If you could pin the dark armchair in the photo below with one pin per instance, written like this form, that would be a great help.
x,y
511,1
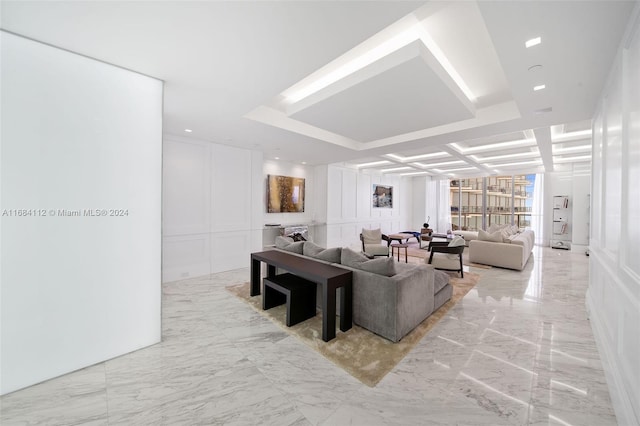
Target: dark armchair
x,y
445,257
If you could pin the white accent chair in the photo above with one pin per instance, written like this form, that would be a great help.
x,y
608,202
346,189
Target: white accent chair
x,y
371,243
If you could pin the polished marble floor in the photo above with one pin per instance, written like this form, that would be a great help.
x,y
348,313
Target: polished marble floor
x,y
517,350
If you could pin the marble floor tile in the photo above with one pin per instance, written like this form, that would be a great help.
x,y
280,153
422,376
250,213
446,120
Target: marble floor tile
x,y
517,350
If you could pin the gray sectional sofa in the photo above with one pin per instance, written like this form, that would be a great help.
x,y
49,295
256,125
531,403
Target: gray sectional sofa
x,y
389,298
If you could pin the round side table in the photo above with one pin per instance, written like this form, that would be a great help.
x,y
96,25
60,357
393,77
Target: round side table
x,y
399,246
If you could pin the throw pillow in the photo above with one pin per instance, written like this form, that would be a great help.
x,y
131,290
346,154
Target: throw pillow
x,y
329,255
311,248
287,244
282,242
371,236
495,227
456,241
495,237
381,266
332,255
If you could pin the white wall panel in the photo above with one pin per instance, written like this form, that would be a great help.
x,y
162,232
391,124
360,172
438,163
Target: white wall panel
x,y
185,256
77,135
257,201
186,191
210,195
632,157
363,195
613,297
597,180
321,195
230,250
334,201
230,189
613,162
349,195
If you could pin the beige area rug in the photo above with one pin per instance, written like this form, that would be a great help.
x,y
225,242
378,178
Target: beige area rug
x,y
361,353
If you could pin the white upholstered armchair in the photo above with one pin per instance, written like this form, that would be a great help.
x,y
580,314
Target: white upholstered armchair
x,y
371,242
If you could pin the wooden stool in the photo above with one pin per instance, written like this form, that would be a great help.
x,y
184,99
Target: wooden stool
x,y
399,246
299,295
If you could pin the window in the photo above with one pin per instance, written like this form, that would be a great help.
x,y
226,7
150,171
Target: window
x,y
478,203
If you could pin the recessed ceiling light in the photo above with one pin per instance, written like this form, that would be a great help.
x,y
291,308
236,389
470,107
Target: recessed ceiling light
x,y
559,137
533,153
396,169
277,158
533,42
539,87
417,157
571,149
542,110
518,163
455,170
373,163
493,146
571,159
188,130
442,163
414,173
304,162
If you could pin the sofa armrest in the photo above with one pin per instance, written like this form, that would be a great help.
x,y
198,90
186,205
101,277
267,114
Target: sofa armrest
x,y
504,255
415,298
392,306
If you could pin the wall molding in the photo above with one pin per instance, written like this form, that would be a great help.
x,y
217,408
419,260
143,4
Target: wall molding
x,y
620,399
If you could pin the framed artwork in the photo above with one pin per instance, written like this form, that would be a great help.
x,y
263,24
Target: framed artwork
x,y
285,194
382,196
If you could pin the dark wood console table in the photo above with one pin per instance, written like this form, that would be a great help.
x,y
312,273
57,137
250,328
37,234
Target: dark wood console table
x,y
329,276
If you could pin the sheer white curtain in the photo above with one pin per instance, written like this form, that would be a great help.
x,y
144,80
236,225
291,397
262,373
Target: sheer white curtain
x,y
443,222
537,208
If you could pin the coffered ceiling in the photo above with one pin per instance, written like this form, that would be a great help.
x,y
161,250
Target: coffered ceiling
x,y
436,88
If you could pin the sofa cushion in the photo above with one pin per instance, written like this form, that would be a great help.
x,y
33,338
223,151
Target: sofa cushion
x,y
313,250
495,237
495,227
381,266
286,243
506,234
282,242
456,241
371,236
376,250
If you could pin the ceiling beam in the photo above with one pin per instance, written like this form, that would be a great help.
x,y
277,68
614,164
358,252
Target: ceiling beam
x,y
543,139
466,159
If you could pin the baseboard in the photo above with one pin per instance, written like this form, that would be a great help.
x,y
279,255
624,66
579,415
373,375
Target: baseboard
x,y
622,405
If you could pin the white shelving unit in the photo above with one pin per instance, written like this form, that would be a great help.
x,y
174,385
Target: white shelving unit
x,y
561,228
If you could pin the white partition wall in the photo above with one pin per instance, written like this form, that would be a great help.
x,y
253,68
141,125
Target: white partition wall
x,y
80,228
613,297
212,207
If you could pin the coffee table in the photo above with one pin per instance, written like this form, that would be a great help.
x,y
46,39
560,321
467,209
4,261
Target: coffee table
x,y
402,236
